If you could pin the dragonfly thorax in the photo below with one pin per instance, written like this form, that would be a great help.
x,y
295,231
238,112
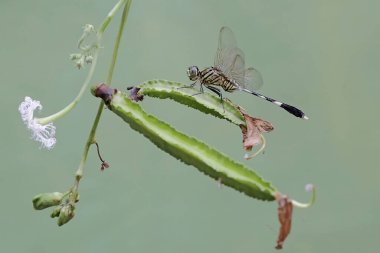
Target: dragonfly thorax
x,y
193,73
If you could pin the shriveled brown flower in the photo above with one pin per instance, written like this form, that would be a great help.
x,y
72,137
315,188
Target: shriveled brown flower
x,y
134,94
253,129
285,210
104,92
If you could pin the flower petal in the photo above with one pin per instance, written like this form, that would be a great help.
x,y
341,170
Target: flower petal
x,y
45,134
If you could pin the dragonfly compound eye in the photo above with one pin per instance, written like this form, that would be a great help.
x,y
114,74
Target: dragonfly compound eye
x,y
192,73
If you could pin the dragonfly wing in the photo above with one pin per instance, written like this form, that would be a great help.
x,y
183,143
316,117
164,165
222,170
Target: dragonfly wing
x,y
252,79
230,60
237,72
227,50
226,38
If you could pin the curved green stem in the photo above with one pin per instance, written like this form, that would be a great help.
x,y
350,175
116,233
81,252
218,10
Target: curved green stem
x,y
261,150
69,107
310,203
110,16
91,137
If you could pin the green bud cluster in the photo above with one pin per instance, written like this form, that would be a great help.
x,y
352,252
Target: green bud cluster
x,y
66,214
87,50
81,59
64,208
45,200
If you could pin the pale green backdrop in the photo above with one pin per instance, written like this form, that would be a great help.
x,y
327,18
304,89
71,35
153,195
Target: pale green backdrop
x,y
322,56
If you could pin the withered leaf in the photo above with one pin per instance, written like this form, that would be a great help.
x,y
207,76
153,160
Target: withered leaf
x,y
285,210
253,129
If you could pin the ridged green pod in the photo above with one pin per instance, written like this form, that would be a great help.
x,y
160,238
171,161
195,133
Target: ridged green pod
x,y
205,102
187,149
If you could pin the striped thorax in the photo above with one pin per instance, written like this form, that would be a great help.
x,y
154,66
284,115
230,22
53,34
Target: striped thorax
x,y
212,76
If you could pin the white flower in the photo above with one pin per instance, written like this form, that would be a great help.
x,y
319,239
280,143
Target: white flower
x,y
40,133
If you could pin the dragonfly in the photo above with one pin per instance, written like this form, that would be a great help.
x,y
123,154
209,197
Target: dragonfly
x,y
229,73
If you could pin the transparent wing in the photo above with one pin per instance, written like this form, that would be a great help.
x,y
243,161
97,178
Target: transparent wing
x,y
227,50
237,72
230,60
252,79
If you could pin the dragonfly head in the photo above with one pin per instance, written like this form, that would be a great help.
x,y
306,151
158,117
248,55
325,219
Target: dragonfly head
x,y
192,73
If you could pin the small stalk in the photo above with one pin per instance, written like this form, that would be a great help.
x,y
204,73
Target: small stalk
x,y
91,137
308,188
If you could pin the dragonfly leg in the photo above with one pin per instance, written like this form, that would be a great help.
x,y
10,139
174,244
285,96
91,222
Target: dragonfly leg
x,y
188,86
200,91
191,86
218,92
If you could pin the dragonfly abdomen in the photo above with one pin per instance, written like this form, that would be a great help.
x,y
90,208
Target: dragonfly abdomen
x,y
213,76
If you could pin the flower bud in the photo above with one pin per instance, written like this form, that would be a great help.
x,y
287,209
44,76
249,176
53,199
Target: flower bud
x,y
45,200
56,212
80,62
66,214
74,57
88,59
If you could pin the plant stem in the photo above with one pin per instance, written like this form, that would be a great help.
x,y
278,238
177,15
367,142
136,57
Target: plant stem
x,y
91,137
310,203
69,107
261,150
117,43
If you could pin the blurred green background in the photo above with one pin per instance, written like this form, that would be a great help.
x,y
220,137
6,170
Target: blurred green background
x,y
322,56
